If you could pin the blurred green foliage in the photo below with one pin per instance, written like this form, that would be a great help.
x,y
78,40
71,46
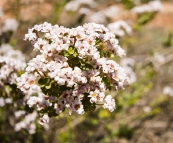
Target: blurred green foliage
x,y
168,40
58,8
128,4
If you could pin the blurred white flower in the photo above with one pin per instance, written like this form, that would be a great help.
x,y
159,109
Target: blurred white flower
x,y
84,10
147,109
10,25
27,123
152,6
168,91
97,17
100,16
128,64
16,54
8,100
2,102
111,11
11,63
120,28
19,113
32,128
159,58
74,5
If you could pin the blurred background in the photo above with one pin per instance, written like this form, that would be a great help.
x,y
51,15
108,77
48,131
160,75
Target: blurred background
x,y
144,109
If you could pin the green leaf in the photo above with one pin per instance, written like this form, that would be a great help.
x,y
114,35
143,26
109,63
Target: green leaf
x,y
75,54
92,107
168,40
144,18
98,41
48,86
88,66
43,81
106,82
66,54
71,50
73,61
128,4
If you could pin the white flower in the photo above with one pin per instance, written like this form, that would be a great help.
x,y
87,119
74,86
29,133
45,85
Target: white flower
x,y
77,107
31,36
59,106
109,103
44,119
96,96
33,100
27,82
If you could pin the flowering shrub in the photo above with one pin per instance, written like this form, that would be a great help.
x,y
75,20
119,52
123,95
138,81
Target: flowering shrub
x,y
73,70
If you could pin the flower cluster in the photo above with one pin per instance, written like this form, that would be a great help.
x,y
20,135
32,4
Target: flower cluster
x,y
153,6
11,64
73,70
27,123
